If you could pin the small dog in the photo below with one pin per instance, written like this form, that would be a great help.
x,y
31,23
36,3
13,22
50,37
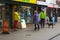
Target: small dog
x,y
50,24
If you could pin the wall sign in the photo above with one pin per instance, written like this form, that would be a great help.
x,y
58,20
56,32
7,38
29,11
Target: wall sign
x,y
27,1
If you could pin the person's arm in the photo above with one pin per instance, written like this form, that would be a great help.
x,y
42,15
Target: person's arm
x,y
40,14
45,14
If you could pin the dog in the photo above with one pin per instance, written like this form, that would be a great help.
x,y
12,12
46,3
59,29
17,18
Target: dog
x,y
50,24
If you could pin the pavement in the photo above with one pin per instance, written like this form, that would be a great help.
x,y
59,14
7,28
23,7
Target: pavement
x,y
29,33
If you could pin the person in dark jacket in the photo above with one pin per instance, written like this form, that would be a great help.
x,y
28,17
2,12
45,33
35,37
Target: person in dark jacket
x,y
36,20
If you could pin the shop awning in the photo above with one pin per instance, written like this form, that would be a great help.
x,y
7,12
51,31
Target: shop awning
x,y
53,6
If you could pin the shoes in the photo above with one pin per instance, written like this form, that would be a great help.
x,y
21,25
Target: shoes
x,y
36,29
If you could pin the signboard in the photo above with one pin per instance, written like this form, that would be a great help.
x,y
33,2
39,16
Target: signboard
x,y
23,23
5,26
27,1
42,3
22,0
33,1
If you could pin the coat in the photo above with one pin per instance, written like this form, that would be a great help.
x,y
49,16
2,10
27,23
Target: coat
x,y
16,16
42,15
36,18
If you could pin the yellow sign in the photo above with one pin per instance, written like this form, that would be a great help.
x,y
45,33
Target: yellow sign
x,y
33,1
27,1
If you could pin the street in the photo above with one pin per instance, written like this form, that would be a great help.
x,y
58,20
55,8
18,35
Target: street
x,y
29,34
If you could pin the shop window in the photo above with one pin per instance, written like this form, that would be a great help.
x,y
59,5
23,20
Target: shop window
x,y
27,13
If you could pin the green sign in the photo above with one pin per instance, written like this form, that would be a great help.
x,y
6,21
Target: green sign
x,y
22,0
27,1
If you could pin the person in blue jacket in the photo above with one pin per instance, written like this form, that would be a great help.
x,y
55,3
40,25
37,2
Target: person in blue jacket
x,y
53,20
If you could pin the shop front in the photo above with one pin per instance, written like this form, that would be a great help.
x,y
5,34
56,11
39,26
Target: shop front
x,y
26,9
5,14
1,14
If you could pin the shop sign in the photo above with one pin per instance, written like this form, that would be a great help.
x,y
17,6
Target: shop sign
x,y
27,1
33,1
42,3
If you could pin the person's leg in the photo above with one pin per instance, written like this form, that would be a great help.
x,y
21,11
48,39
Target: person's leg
x,y
48,25
35,27
41,22
52,25
55,20
38,26
15,25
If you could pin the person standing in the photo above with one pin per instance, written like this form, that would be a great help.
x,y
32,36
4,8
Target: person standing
x,y
16,18
19,11
36,20
53,20
42,17
47,19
